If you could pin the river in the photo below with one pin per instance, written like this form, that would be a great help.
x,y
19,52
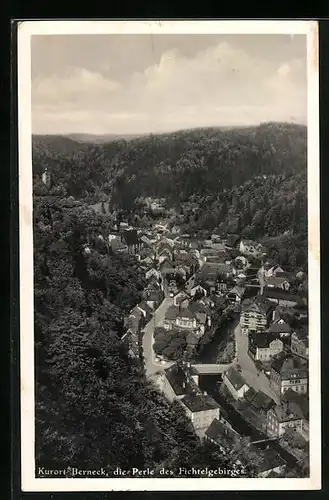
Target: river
x,y
210,351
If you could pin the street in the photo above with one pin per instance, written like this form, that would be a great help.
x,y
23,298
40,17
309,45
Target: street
x,y
151,366
248,369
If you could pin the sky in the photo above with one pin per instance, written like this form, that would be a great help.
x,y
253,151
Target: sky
x,y
131,84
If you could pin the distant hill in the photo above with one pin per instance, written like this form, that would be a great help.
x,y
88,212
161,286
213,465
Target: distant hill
x,y
250,180
101,139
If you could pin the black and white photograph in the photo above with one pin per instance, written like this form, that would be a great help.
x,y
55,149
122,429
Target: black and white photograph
x,y
169,255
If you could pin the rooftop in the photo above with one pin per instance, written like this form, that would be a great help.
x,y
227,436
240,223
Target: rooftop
x,y
262,340
217,431
235,378
199,402
288,363
177,379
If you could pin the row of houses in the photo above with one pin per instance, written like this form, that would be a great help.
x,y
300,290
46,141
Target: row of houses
x,y
261,411
181,383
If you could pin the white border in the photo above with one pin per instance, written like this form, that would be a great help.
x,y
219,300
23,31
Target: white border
x,y
25,30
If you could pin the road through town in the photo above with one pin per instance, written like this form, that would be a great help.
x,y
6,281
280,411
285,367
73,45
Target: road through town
x,y
255,379
151,366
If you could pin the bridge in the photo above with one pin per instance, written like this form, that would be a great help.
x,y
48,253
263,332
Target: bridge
x,y
211,369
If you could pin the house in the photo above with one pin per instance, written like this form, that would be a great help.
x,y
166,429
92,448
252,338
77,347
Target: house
x,y
180,297
201,409
236,294
281,297
271,270
184,318
175,383
258,401
270,462
198,290
224,284
145,241
235,383
133,321
145,310
167,267
299,343
222,436
288,371
254,315
277,282
251,248
281,331
282,315
152,272
164,251
291,413
154,299
263,346
131,341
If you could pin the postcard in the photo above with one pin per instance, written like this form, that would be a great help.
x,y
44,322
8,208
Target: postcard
x,y
169,255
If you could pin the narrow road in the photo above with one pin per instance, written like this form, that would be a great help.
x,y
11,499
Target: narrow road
x,y
151,366
255,379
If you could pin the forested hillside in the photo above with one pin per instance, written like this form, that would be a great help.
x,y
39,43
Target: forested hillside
x,y
250,180
93,406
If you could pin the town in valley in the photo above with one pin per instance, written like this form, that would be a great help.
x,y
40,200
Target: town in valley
x,y
221,329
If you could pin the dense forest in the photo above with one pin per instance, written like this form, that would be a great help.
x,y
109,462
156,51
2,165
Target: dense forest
x,y
94,407
250,181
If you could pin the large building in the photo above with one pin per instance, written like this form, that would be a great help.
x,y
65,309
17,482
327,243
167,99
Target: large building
x,y
263,346
201,409
299,343
292,413
254,315
289,372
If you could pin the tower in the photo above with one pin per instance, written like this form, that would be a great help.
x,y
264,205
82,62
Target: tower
x,y
261,277
46,178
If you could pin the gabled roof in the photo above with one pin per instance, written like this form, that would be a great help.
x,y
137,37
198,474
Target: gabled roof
x,y
278,328
218,431
256,305
262,340
288,363
259,400
237,290
291,396
235,378
275,281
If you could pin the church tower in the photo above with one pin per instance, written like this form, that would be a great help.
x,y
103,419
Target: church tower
x,y
46,178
